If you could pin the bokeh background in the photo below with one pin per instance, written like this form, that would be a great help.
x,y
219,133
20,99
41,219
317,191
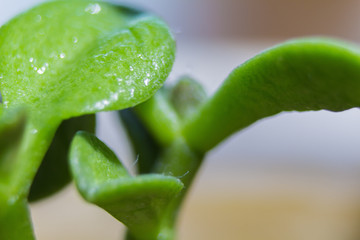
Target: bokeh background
x,y
293,176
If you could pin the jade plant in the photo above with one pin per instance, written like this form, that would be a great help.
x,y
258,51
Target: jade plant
x,y
63,61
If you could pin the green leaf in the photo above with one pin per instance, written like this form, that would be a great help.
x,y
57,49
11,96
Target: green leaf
x,y
67,60
63,60
139,202
301,75
54,172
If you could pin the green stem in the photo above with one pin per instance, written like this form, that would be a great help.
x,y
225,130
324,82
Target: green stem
x,y
176,159
160,119
35,142
180,161
15,222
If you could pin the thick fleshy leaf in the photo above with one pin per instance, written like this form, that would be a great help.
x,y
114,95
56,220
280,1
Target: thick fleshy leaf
x,y
138,202
62,60
301,75
54,172
67,59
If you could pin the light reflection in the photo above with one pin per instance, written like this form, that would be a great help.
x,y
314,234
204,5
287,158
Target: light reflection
x,y
147,81
41,70
93,8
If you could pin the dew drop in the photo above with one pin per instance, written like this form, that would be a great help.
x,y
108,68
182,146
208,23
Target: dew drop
x,y
114,96
75,39
146,81
131,68
129,82
31,60
156,66
41,70
62,55
93,8
132,92
119,80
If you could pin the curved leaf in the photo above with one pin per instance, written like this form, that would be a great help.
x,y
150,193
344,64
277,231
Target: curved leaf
x,y
63,60
301,75
72,59
138,202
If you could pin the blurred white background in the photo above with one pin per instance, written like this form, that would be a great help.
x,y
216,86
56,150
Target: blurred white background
x,y
293,176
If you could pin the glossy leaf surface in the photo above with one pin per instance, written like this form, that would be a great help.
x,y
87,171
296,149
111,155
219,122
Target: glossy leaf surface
x,y
64,59
83,57
138,202
301,75
98,57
